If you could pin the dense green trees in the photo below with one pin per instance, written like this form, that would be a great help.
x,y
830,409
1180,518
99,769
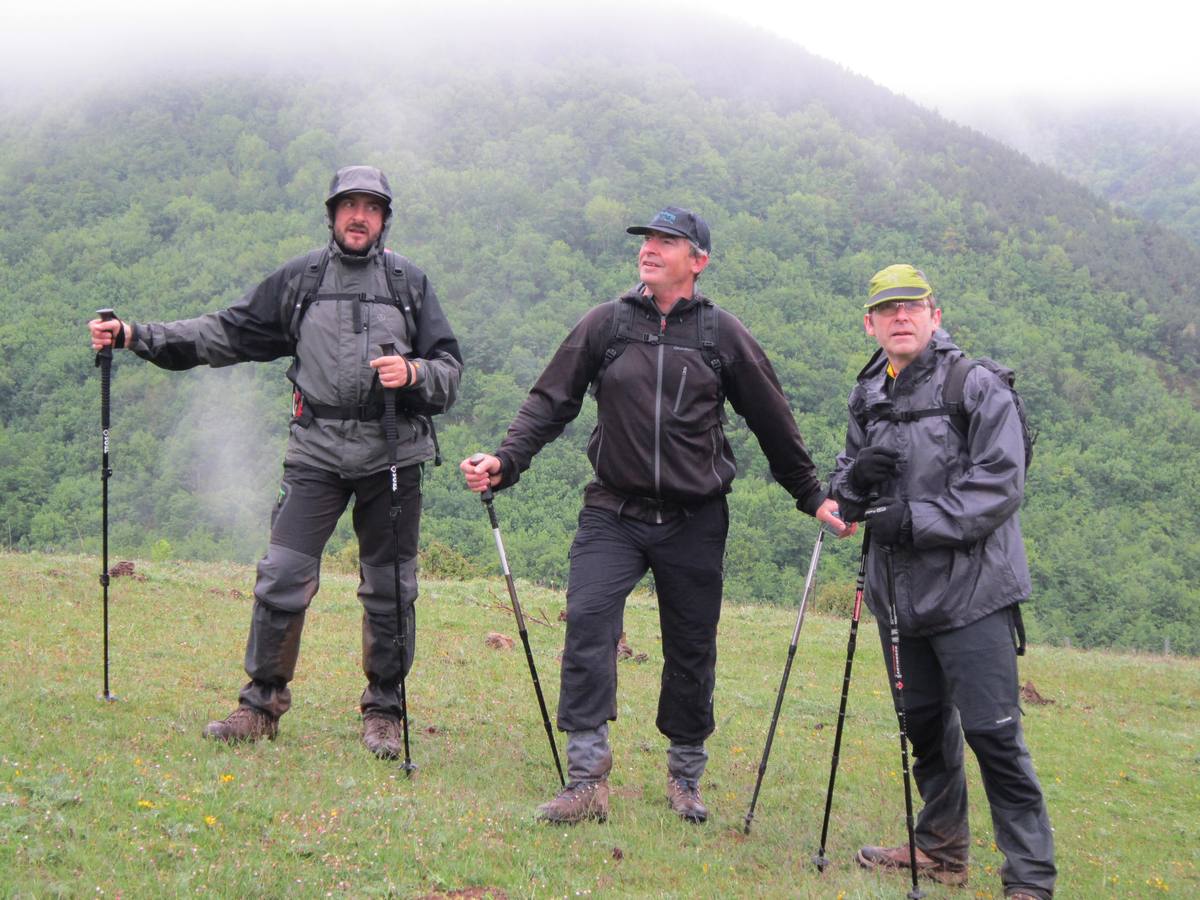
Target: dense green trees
x,y
1144,157
513,188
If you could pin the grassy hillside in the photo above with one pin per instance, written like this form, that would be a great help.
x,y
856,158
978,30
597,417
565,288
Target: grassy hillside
x,y
124,799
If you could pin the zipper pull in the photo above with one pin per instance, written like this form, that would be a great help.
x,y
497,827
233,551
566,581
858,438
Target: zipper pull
x,y
662,325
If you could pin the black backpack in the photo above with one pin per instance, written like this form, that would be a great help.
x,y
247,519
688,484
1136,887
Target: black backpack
x,y
623,332
953,406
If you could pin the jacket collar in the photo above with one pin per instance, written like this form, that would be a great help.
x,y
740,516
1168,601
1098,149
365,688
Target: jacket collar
x,y
939,344
353,259
640,297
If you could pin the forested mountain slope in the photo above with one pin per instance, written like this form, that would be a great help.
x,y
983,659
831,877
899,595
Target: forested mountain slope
x,y
514,182
1145,158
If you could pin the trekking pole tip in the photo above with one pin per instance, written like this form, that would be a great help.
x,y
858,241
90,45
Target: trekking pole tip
x,y
820,860
409,767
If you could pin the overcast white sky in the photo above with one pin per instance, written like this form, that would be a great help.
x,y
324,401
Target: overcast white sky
x,y
940,53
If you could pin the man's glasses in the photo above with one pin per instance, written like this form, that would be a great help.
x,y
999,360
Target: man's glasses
x,y
891,307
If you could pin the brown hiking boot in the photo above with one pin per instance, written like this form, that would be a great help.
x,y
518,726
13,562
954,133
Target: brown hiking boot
x,y
381,735
683,795
896,859
577,802
243,724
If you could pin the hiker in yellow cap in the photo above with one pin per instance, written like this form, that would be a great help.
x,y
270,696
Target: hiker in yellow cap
x,y
935,458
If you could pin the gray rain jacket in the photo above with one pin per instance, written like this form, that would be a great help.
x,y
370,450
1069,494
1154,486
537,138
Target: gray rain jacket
x,y
967,558
337,340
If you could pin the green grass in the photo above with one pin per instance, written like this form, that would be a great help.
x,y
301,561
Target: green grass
x,y
125,799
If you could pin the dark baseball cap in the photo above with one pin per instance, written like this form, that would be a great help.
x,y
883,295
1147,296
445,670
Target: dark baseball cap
x,y
683,222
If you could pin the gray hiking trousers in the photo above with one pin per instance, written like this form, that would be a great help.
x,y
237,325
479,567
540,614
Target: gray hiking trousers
x,y
964,682
310,503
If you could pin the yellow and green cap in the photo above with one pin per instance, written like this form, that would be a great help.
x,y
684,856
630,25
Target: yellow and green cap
x,y
898,282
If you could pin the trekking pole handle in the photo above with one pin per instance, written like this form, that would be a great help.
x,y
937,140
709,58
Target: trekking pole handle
x,y
391,429
486,495
106,315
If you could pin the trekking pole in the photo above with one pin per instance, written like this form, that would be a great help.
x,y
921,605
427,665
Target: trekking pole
x,y
916,893
392,432
820,859
787,670
487,496
104,361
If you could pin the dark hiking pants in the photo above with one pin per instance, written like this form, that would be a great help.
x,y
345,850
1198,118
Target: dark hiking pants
x,y
609,555
964,682
310,503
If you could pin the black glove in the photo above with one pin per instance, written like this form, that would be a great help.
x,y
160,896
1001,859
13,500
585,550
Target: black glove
x,y
873,466
889,521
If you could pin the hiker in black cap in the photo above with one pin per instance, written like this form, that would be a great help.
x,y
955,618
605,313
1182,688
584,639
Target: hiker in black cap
x,y
938,474
333,310
661,359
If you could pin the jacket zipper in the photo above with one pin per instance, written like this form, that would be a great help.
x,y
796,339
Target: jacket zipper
x,y
365,330
662,330
679,393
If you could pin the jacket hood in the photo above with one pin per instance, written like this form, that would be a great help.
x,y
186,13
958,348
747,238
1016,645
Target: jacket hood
x,y
361,180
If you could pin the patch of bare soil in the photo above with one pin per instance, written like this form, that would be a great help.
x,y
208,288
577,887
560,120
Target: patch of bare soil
x,y
124,569
498,641
1030,694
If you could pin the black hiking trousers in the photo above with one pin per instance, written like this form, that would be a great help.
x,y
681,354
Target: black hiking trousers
x,y
964,682
311,501
609,555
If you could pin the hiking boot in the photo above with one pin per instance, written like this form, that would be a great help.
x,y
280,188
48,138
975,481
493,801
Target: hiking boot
x,y
895,859
243,724
577,802
683,795
381,734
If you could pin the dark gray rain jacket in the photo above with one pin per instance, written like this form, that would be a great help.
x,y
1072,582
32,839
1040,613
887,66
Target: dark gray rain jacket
x,y
337,340
967,558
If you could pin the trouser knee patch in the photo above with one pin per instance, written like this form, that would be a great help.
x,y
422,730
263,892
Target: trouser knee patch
x,y
287,579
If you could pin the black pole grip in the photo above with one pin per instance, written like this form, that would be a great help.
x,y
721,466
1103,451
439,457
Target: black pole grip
x,y
391,428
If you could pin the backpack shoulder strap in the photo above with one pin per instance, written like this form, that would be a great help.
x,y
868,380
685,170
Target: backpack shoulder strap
x,y
619,336
310,279
709,331
952,390
400,286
